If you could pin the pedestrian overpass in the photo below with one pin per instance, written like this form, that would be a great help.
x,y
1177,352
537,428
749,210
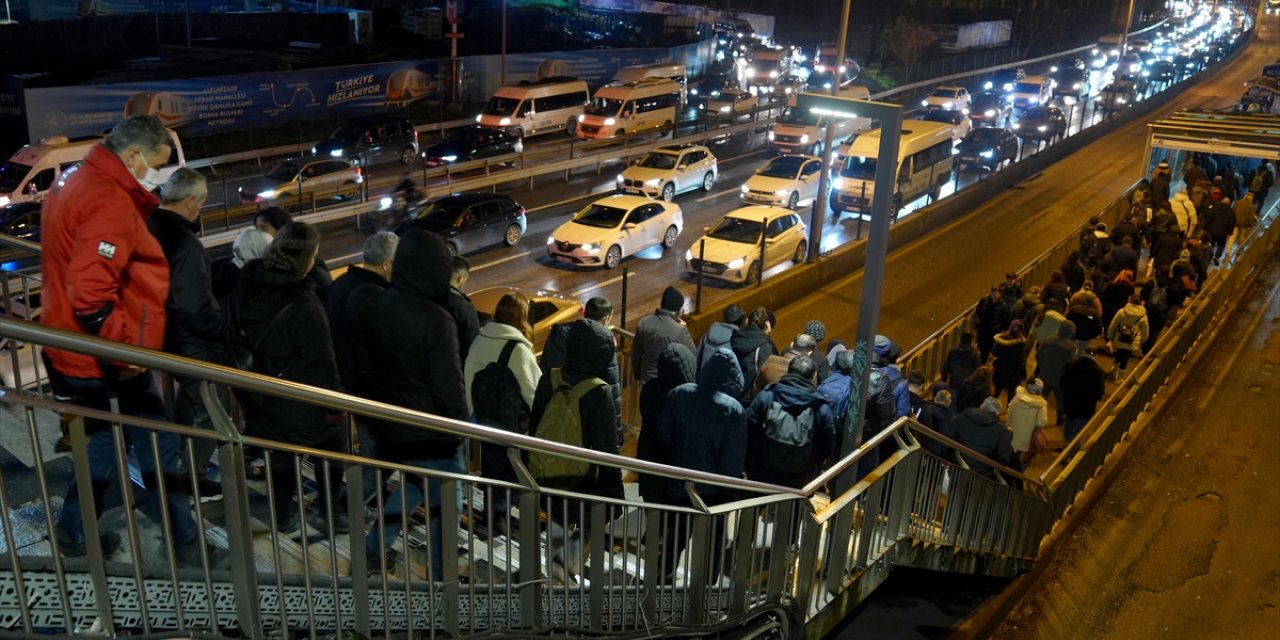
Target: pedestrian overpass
x,y
794,560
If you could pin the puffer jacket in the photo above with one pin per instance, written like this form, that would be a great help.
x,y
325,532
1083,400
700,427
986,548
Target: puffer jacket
x,y
1184,212
652,334
196,326
588,352
1010,366
296,347
794,394
412,346
984,434
97,252
1026,412
703,427
1134,315
488,347
676,366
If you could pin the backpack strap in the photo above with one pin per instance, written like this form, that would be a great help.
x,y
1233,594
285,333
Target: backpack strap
x,y
504,358
584,387
557,379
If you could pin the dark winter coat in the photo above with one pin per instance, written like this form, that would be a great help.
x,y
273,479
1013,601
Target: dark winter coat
x,y
412,344
553,356
1126,229
984,434
752,346
321,280
196,326
676,366
1010,366
1074,273
1164,250
652,334
1083,386
1055,290
882,407
464,314
795,394
296,347
960,364
1125,257
343,308
992,316
703,427
588,351
1052,357
971,394
1220,220
718,336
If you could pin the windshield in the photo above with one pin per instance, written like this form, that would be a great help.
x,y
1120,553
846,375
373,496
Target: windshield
x,y
794,116
944,93
1035,114
603,216
604,107
349,133
463,137
441,211
736,230
657,161
783,167
984,135
859,167
1027,87
500,106
939,116
285,171
11,173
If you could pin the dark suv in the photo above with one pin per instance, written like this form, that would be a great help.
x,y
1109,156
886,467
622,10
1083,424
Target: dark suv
x,y
470,221
371,141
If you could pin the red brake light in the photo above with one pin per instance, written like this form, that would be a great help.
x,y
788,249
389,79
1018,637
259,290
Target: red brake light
x,y
415,135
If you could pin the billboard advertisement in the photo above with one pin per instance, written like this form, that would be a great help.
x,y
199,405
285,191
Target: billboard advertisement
x,y
69,9
202,106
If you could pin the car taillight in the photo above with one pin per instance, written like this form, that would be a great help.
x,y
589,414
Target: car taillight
x,y
358,172
415,135
520,214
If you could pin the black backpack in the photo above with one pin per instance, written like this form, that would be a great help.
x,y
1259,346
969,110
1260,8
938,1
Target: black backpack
x,y
496,396
787,445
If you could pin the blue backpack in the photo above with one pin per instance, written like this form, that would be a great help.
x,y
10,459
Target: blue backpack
x,y
836,389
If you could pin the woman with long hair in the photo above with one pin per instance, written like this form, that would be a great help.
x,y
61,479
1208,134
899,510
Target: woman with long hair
x,y
976,388
509,333
1010,366
283,319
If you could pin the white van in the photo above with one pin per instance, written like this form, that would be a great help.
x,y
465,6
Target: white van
x,y
1031,91
33,169
803,133
619,108
674,72
923,166
535,108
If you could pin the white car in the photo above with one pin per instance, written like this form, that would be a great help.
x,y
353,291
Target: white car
x,y
731,101
611,228
948,97
732,247
669,170
785,181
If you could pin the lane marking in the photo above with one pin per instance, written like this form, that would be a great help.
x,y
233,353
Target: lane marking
x,y
500,261
569,200
598,285
718,194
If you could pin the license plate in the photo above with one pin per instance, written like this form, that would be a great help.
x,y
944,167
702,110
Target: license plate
x,y
564,259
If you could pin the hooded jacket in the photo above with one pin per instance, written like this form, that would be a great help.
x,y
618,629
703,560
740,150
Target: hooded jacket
x,y
652,334
676,366
1134,315
1026,412
1010,366
296,347
719,336
553,356
794,394
1052,357
983,433
1083,386
196,326
704,428
1184,212
1220,219
752,347
464,314
588,352
488,347
961,362
412,345
99,255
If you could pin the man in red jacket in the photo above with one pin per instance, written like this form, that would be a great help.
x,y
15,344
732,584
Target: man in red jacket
x,y
106,276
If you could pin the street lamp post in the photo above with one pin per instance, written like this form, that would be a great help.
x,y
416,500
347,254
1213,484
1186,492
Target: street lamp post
x,y
502,75
824,178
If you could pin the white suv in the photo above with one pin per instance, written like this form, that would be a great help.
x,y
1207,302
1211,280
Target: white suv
x,y
666,171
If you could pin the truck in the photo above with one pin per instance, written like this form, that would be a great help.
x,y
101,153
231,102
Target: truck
x,y
803,132
768,64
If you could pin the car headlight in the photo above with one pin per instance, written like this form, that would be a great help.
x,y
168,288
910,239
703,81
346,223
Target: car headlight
x,y
804,138
787,90
653,182
385,203
4,201
1053,69
478,117
620,178
591,247
336,153
1042,128
751,71
1009,98
1017,125
1120,100
448,158
1034,100
267,195
736,263
504,122
693,91
1076,86
724,109
837,183
745,189
924,103
688,256
770,136
990,113
948,105
987,154
782,193
609,122
773,74
551,239
313,149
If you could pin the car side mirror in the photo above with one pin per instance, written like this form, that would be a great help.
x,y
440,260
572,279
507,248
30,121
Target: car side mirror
x,y
629,226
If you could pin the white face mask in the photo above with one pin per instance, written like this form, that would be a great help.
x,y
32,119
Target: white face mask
x,y
151,180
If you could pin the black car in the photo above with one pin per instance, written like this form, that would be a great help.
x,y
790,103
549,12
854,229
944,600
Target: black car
x,y
1072,82
1069,62
473,143
371,141
990,109
470,221
1042,123
1004,79
21,220
1162,71
987,148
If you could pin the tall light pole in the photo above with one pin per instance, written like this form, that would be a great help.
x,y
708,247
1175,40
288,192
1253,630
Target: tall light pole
x,y
502,76
1124,33
817,222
